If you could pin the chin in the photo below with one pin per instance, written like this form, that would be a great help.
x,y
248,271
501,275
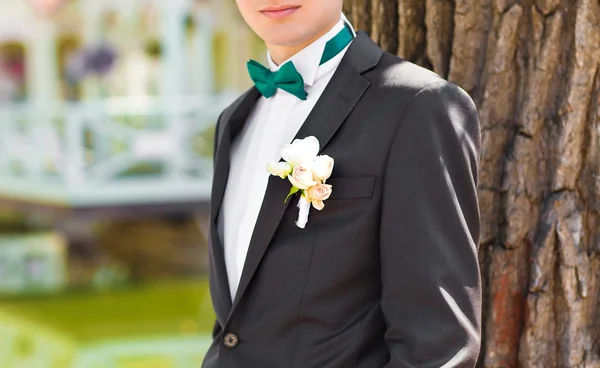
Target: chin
x,y
284,37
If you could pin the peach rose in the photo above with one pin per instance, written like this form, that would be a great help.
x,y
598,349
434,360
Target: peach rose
x,y
317,194
302,177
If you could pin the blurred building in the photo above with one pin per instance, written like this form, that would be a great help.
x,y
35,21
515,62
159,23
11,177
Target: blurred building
x,y
112,102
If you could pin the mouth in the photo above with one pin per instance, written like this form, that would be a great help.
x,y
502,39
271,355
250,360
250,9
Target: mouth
x,y
280,12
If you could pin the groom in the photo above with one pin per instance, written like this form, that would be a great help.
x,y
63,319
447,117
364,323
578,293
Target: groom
x,y
386,274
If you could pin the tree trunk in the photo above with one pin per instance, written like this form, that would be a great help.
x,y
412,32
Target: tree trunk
x,y
533,69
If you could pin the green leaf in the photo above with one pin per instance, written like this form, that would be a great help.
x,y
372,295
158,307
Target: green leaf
x,y
293,191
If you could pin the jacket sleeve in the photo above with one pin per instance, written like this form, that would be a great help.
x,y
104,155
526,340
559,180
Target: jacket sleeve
x,y
431,287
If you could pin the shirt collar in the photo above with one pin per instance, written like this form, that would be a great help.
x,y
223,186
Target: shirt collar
x,y
307,60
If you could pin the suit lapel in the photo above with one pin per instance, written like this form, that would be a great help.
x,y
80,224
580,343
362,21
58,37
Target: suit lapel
x,y
232,123
335,104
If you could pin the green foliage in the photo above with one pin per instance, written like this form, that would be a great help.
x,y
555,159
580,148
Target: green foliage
x,y
162,308
293,191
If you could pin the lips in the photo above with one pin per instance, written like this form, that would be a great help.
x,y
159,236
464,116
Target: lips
x,y
280,13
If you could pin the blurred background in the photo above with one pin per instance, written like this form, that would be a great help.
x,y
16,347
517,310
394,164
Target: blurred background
x,y
107,111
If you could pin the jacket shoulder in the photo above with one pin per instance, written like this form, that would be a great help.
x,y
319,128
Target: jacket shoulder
x,y
398,76
393,72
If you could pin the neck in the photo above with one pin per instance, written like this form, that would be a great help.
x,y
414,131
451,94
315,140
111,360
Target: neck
x,y
281,53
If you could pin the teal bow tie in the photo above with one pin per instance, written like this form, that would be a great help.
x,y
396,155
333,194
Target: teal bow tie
x,y
287,77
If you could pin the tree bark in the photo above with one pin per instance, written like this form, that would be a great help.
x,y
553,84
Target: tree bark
x,y
533,69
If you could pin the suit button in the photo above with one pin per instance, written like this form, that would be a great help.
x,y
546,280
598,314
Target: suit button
x,y
230,340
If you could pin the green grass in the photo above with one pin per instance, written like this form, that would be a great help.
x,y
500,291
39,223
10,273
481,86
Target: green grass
x,y
163,308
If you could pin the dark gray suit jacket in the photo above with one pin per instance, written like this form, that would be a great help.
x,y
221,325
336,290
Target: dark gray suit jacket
x,y
387,274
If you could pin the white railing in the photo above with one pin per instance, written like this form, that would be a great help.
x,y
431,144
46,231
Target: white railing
x,y
116,151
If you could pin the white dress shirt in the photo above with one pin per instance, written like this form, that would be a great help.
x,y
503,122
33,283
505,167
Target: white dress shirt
x,y
273,123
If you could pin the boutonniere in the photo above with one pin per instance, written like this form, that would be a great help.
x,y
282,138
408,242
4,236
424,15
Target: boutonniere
x,y
307,172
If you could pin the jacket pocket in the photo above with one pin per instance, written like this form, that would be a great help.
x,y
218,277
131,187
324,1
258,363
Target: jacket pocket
x,y
352,187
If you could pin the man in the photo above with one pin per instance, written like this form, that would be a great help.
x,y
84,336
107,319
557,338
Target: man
x,y
386,274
